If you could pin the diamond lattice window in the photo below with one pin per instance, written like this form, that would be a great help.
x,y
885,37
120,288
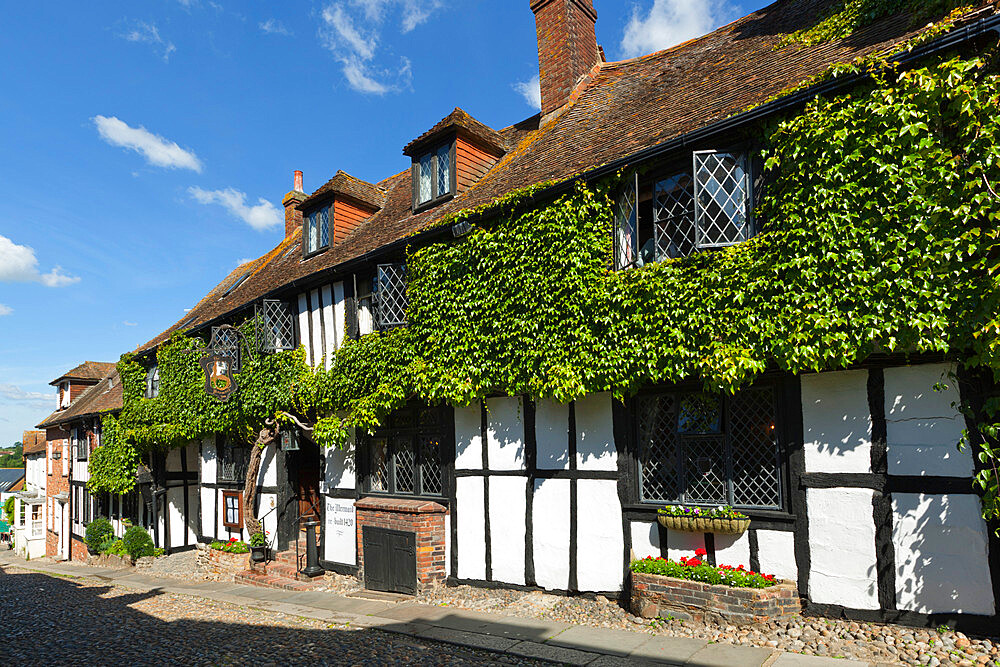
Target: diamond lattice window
x,y
275,326
707,449
390,296
226,340
232,462
404,458
673,216
627,224
722,196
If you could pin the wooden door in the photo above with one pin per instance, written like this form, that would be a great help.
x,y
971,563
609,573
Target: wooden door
x,y
308,491
390,560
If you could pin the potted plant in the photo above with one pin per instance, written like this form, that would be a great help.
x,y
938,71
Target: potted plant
x,y
723,519
258,547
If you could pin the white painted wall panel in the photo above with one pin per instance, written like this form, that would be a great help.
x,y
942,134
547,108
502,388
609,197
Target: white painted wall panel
x,y
191,520
595,436
836,422
317,330
175,515
471,511
507,513
776,553
339,318
599,535
266,503
468,438
329,340
340,532
505,433
842,547
552,434
922,427
550,528
268,475
340,470
733,550
209,461
304,326
645,539
681,543
173,460
941,545
207,511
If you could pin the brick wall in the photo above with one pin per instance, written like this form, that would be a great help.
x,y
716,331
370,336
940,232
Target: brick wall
x,y
422,517
655,595
221,565
567,47
293,216
55,484
78,550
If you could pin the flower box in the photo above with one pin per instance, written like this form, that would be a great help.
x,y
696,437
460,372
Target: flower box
x,y
691,524
656,595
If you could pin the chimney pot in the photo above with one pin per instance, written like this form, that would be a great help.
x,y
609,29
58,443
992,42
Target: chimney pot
x,y
298,181
567,47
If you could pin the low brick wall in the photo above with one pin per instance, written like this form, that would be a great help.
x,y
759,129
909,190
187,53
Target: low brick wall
x,y
655,595
223,566
424,518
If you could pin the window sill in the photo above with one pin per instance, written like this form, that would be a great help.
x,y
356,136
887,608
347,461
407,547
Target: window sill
x,y
314,253
427,205
769,515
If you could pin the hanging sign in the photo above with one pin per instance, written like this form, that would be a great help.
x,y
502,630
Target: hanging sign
x,y
219,380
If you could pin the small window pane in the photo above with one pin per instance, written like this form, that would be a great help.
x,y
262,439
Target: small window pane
x,y
312,239
673,216
699,413
626,225
722,198
324,228
443,170
380,465
430,466
405,464
426,175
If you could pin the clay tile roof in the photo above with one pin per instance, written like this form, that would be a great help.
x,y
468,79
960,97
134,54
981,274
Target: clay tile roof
x,y
105,396
463,122
622,109
88,370
345,184
33,442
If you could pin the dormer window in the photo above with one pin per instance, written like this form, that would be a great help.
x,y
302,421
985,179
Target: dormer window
x,y
153,382
433,175
64,395
317,230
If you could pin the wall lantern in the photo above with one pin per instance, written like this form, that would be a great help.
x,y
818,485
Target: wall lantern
x,y
460,229
290,440
56,455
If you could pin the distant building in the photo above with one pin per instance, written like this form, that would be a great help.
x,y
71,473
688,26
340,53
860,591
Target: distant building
x,y
29,506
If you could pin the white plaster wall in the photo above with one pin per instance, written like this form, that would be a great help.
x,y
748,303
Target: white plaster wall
x,y
469,499
340,470
173,459
733,550
329,339
922,427
304,327
209,461
175,515
191,520
317,330
507,513
595,437
468,438
266,503
645,539
941,545
600,541
505,433
208,512
836,422
550,528
681,543
776,553
339,314
842,547
268,475
552,435
340,531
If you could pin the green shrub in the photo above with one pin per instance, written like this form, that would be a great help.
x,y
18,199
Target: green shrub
x,y
98,531
106,544
117,548
8,511
233,546
138,543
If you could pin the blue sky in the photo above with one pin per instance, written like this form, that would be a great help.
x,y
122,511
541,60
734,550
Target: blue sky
x,y
146,146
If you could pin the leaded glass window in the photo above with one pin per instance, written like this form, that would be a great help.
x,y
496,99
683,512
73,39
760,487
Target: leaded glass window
x,y
708,449
722,195
232,461
627,224
153,382
275,326
432,175
312,237
404,457
318,230
673,216
426,178
444,170
391,295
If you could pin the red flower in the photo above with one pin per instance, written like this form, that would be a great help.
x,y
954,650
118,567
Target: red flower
x,y
693,562
700,552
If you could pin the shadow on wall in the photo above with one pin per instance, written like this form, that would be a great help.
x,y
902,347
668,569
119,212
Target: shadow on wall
x,y
57,620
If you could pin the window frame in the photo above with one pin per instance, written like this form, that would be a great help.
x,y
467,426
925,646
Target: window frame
x,y
444,431
433,150
152,381
223,452
238,495
783,431
307,219
81,445
399,270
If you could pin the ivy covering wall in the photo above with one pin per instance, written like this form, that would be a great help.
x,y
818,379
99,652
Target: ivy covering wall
x,y
879,235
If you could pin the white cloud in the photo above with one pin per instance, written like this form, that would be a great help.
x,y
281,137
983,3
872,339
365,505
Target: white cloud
x,y
130,324
14,393
352,30
158,151
245,260
141,32
531,91
670,22
5,310
18,264
274,27
263,215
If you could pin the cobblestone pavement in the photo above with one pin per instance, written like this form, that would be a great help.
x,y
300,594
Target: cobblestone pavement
x,y
875,642
56,620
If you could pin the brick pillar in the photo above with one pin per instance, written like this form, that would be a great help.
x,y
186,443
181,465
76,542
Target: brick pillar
x,y
293,216
567,47
422,517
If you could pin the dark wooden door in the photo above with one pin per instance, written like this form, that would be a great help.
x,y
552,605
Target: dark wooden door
x,y
390,560
309,492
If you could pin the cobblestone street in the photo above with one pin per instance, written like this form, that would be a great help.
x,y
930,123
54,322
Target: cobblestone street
x,y
63,621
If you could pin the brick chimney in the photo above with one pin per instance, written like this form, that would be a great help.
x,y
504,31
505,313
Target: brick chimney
x,y
293,216
567,47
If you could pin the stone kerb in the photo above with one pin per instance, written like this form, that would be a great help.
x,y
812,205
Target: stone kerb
x,y
655,595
